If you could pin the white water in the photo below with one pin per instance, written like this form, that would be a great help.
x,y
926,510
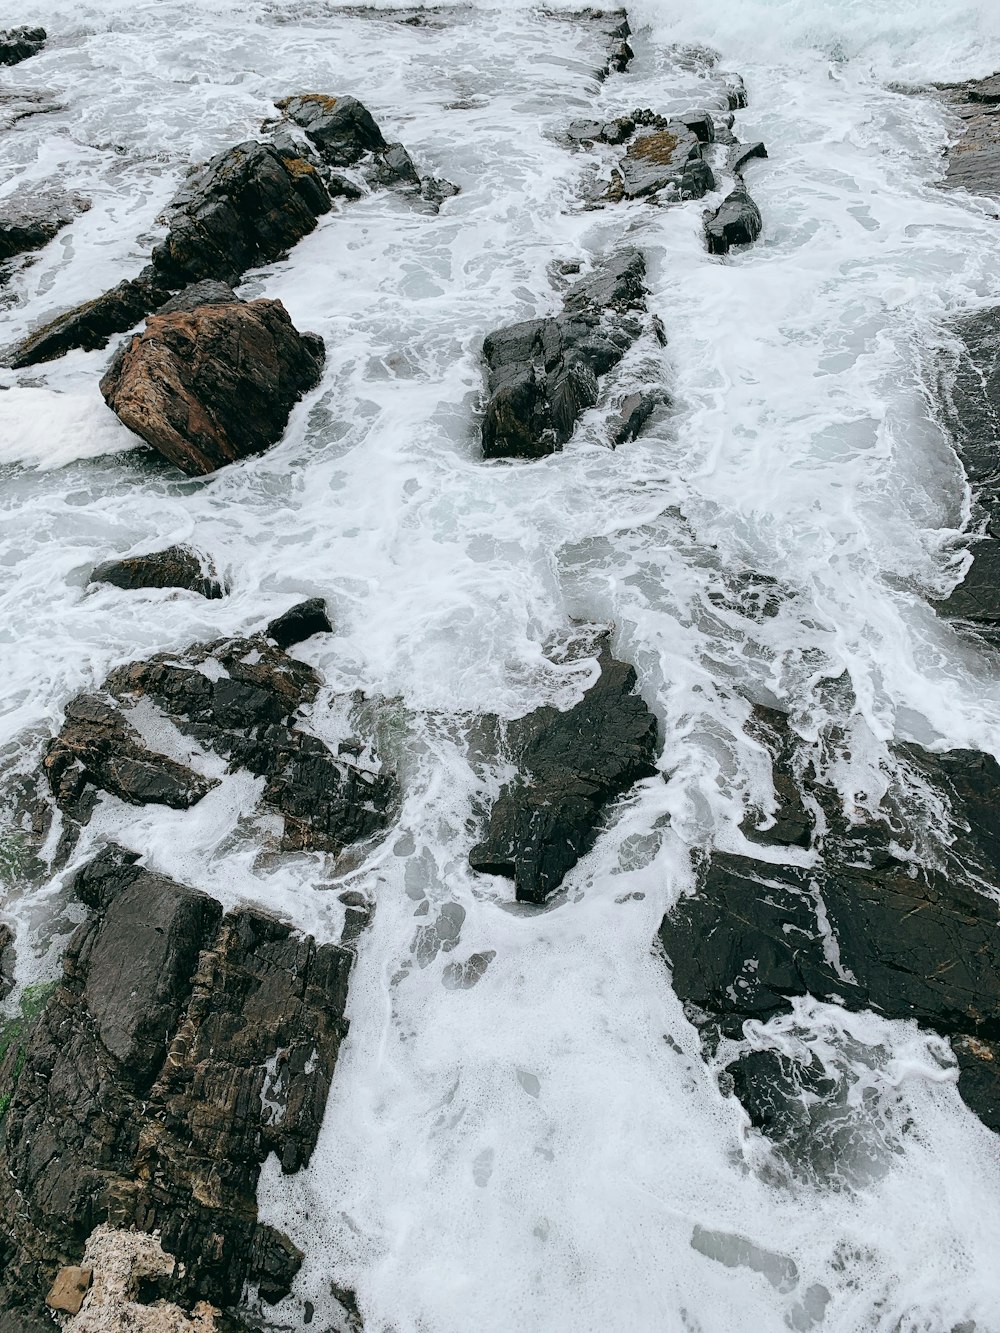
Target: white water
x,y
546,1149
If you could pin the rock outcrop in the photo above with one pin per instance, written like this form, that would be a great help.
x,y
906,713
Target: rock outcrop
x,y
245,207
970,399
173,567
866,924
543,373
241,698
572,765
974,161
665,159
30,218
210,385
17,44
180,1048
737,221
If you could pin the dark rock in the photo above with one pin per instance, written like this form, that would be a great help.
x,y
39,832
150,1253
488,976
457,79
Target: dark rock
x,y
573,764
736,92
792,824
206,292
175,567
601,131
243,698
213,385
870,926
701,125
394,167
7,960
974,160
17,44
736,222
245,207
340,128
434,190
30,218
666,159
742,154
544,372
178,1051
300,622
98,747
635,411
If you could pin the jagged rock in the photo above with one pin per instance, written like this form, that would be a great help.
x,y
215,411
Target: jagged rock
x,y
300,622
210,386
791,824
635,411
667,159
30,218
601,131
180,1049
866,926
542,373
17,44
245,207
125,1266
242,698
736,92
572,765
701,124
742,154
175,567
98,747
6,960
341,129
394,167
737,221
974,161
970,400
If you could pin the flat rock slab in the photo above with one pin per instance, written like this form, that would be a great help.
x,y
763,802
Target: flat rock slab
x,y
543,373
174,567
866,926
209,386
572,765
180,1049
17,44
737,221
30,218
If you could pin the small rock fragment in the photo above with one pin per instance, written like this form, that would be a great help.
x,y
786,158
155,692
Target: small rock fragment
x,y
300,622
69,1289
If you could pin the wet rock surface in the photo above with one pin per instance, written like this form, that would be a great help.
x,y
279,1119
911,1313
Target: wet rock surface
x,y
974,160
181,1047
214,384
737,221
30,218
872,922
17,44
174,567
664,159
242,698
543,373
572,765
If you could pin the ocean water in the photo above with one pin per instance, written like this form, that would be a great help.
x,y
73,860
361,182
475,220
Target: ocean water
x,y
532,1139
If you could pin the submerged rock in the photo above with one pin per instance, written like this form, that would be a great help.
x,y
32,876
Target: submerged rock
x,y
17,44
737,221
866,925
572,764
30,218
180,1048
215,384
174,567
542,373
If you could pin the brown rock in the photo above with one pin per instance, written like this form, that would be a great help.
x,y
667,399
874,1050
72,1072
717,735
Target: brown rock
x,y
215,384
69,1289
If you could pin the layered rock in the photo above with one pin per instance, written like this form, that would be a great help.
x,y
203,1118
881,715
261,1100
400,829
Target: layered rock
x,y
210,385
245,207
971,404
180,1048
173,567
974,160
865,924
543,373
30,218
17,44
572,764
241,698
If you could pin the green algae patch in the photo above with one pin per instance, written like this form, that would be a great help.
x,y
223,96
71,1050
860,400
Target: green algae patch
x,y
13,1038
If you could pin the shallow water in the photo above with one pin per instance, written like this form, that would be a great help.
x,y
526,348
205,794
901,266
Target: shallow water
x,y
536,1141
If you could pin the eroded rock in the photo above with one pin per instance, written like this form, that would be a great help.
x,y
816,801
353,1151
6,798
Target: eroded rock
x,y
542,373
664,160
209,386
17,44
30,218
572,765
180,1049
174,567
121,1264
974,160
737,221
